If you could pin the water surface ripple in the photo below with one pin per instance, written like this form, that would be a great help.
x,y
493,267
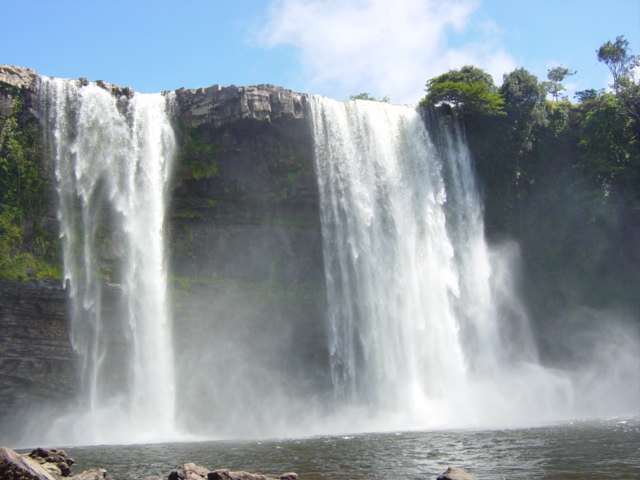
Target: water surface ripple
x,y
578,450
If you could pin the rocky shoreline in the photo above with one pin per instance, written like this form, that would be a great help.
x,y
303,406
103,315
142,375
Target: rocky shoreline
x,y
55,464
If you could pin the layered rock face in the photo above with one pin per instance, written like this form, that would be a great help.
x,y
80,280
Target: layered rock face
x,y
244,248
36,361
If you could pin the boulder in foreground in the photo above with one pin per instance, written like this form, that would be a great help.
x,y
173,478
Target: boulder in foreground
x,y
14,466
53,459
227,475
453,473
191,471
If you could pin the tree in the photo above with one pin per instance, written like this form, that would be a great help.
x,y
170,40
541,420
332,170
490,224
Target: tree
x,y
366,96
555,78
622,65
612,149
521,92
524,98
586,95
469,90
618,58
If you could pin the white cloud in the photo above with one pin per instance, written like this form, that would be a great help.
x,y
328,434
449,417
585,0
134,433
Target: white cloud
x,y
383,47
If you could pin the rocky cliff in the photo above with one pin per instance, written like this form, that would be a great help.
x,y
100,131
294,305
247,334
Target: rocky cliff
x,y
36,362
246,248
245,243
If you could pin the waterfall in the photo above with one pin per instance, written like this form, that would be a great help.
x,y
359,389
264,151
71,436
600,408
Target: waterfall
x,y
420,324
424,326
113,159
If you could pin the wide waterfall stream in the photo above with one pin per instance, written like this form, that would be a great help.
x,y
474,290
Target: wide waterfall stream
x,y
421,318
424,327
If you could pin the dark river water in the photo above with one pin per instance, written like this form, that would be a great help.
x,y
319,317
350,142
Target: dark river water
x,y
600,449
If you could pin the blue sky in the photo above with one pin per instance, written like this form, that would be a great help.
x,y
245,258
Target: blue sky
x,y
331,47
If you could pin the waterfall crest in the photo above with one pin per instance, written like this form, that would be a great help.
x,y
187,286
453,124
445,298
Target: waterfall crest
x,y
113,159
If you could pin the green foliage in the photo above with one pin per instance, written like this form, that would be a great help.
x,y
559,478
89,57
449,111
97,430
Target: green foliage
x,y
366,96
586,95
15,263
556,117
21,180
524,103
522,93
561,178
26,249
623,66
618,58
469,90
197,157
556,76
612,149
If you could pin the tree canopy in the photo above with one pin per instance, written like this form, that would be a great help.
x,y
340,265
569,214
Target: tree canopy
x,y
469,90
366,96
618,58
555,78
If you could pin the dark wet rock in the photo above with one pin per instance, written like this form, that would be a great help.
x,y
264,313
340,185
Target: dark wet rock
x,y
36,357
453,473
55,457
14,466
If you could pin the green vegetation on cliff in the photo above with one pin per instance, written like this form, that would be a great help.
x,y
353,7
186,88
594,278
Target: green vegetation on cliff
x,y
27,249
196,156
562,178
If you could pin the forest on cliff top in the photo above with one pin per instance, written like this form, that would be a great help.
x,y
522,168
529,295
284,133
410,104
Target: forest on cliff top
x,y
561,178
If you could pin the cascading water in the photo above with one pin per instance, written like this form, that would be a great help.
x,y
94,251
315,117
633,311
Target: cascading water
x,y
424,328
113,160
415,317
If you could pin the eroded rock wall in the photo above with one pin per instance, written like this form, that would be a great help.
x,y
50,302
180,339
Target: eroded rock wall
x,y
36,361
246,250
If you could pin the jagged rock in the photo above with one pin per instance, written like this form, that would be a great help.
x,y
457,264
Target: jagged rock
x,y
189,471
453,473
92,474
217,105
53,457
14,466
224,474
19,77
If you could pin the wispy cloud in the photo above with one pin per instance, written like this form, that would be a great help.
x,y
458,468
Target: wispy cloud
x,y
383,47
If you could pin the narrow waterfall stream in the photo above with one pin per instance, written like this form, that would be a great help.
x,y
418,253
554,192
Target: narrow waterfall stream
x,y
113,160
